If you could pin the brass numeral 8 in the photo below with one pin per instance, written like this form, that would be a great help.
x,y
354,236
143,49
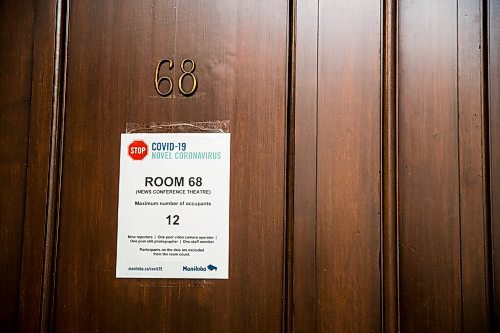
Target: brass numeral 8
x,y
185,72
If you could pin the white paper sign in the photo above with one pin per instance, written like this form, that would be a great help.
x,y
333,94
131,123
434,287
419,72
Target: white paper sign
x,y
173,214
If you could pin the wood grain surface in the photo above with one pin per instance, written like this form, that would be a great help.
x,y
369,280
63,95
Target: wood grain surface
x,y
443,224
305,201
348,167
365,169
429,211
240,49
36,293
474,229
390,247
16,40
493,58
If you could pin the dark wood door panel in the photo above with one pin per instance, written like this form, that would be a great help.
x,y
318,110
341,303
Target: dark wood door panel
x,y
348,167
305,140
472,127
441,156
442,187
16,40
428,171
240,50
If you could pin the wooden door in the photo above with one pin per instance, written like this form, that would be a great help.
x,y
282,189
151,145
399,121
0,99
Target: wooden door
x,y
364,162
337,241
240,50
391,200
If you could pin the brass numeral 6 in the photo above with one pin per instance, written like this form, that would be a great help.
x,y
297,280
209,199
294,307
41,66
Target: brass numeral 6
x,y
185,73
158,79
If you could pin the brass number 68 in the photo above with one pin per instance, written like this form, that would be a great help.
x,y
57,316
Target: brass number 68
x,y
185,73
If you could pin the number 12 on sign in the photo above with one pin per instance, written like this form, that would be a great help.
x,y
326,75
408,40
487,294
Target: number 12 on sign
x,y
172,219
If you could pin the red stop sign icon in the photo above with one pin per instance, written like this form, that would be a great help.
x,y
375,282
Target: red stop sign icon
x,y
138,150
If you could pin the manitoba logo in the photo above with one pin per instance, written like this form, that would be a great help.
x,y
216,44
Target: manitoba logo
x,y
194,269
211,268
137,150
